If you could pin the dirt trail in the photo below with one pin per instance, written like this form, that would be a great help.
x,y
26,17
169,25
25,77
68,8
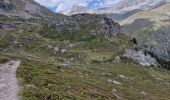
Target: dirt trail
x,y
8,82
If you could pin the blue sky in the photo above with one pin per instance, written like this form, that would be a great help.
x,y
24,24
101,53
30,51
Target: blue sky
x,y
65,5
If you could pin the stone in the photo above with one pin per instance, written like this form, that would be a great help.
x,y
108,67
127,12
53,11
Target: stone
x,y
56,49
116,82
143,93
117,59
114,90
65,65
71,45
109,80
123,77
63,50
49,47
103,73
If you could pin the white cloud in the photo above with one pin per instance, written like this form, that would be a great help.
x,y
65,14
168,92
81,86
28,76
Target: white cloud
x,y
48,3
66,5
110,2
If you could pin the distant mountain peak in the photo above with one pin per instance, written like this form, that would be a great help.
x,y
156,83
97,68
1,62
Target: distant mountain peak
x,y
121,7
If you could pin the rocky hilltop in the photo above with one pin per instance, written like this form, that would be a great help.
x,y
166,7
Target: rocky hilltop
x,y
94,25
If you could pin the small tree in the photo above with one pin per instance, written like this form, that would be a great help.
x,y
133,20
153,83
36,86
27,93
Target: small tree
x,y
134,41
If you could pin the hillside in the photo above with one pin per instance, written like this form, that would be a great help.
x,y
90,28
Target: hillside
x,y
151,28
78,57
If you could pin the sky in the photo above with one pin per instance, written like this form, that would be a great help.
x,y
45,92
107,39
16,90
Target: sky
x,y
66,5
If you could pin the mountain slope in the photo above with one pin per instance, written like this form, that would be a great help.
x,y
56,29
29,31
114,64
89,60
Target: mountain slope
x,y
78,57
23,8
151,28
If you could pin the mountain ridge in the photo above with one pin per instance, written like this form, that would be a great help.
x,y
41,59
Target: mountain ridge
x,y
23,8
121,7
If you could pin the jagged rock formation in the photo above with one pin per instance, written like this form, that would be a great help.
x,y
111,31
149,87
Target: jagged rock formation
x,y
94,24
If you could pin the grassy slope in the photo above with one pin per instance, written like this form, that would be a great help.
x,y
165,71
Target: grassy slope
x,y
87,79
42,81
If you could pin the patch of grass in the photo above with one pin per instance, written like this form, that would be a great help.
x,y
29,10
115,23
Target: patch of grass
x,y
42,81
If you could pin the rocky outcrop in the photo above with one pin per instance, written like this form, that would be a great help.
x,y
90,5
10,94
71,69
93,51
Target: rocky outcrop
x,y
91,24
163,52
140,57
162,55
8,27
5,5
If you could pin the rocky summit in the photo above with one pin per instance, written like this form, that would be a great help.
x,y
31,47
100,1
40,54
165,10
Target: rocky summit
x,y
95,24
88,55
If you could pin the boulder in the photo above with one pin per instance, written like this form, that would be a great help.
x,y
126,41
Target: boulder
x,y
56,49
49,47
63,50
117,59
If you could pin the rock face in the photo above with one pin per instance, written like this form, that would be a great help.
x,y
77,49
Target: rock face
x,y
140,58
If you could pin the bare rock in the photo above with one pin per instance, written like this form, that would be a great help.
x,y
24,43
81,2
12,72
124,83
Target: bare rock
x,y
140,58
117,59
49,47
123,77
63,50
116,82
56,49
